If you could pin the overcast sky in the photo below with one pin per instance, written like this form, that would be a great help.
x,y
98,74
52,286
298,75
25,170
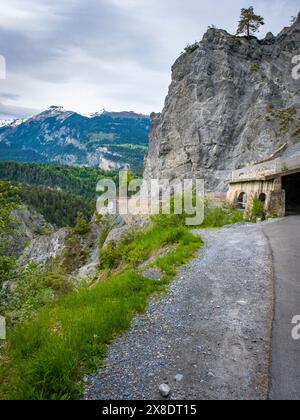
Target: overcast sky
x,y
115,54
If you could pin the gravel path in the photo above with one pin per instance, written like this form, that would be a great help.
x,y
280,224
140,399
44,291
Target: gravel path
x,y
212,327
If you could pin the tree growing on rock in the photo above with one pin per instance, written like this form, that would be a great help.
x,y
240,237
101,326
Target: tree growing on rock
x,y
82,226
249,22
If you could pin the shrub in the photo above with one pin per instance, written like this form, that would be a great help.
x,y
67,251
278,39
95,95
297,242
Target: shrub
x,y
110,256
189,49
82,226
285,117
258,209
7,266
29,294
58,282
255,68
217,217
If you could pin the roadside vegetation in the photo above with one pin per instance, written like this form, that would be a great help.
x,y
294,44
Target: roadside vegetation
x,y
217,217
59,330
258,210
47,355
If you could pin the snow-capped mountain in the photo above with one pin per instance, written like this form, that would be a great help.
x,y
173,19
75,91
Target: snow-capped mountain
x,y
111,140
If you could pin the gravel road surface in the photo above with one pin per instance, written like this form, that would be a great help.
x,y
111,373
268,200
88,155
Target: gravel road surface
x,y
209,336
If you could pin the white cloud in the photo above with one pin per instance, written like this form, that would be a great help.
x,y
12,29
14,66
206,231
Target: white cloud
x,y
29,15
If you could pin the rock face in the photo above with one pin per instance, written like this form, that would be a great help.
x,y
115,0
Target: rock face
x,y
232,102
27,224
44,247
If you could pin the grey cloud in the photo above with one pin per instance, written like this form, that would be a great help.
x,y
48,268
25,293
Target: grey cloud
x,y
11,112
98,27
9,96
117,45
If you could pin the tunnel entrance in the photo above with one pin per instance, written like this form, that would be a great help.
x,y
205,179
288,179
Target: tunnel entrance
x,y
242,201
291,185
262,198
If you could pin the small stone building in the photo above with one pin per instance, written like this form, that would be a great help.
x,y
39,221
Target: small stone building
x,y
276,182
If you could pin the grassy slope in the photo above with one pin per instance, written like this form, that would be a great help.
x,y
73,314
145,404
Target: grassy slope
x,y
48,355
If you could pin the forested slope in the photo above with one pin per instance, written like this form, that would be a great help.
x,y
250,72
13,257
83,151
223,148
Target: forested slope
x,y
76,180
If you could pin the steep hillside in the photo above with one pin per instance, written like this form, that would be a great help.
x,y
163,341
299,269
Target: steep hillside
x,y
111,140
232,102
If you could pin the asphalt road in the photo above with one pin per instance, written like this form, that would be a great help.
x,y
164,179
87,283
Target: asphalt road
x,y
284,238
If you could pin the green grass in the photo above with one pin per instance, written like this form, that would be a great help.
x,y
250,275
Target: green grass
x,y
189,244
51,353
217,217
214,217
47,356
134,248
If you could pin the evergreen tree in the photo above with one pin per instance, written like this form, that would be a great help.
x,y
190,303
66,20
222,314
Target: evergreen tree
x,y
249,22
82,226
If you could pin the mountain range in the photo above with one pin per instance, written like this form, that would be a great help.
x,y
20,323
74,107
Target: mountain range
x,y
110,140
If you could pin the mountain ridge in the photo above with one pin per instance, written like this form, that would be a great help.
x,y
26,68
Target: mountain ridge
x,y
111,140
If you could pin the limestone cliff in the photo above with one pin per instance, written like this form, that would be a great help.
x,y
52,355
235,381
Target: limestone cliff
x,y
232,102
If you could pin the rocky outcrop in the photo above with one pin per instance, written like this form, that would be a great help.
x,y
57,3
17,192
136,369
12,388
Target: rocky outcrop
x,y
91,267
116,234
44,247
26,225
232,102
123,225
76,253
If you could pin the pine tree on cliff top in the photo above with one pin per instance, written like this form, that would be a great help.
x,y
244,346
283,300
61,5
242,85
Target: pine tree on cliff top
x,y
249,22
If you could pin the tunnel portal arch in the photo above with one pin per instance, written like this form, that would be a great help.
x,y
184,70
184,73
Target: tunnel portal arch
x,y
242,200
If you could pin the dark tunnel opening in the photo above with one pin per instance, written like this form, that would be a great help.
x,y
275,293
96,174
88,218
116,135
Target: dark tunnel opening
x,y
291,185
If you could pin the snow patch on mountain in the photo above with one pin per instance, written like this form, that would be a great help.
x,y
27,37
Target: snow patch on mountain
x,y
12,123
